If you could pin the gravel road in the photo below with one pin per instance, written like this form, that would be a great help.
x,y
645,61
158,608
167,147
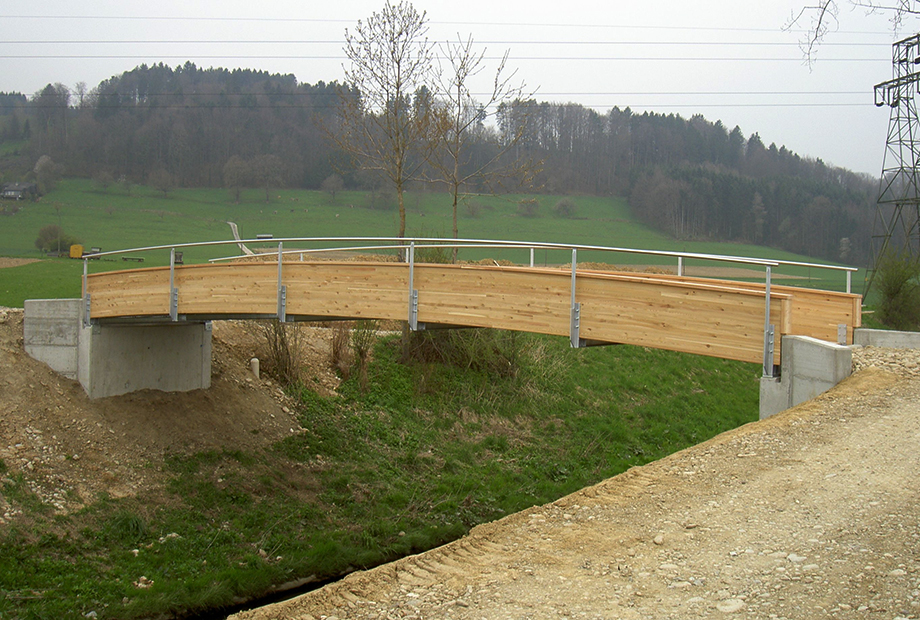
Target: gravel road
x,y
812,513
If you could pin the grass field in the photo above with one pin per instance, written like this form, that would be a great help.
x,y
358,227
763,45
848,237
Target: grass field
x,y
416,459
114,220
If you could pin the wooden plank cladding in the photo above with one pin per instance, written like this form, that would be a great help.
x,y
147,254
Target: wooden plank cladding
x,y
817,312
707,317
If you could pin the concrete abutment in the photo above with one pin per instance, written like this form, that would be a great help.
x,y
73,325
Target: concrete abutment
x,y
113,359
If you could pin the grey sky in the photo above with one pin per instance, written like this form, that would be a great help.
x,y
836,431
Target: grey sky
x,y
724,59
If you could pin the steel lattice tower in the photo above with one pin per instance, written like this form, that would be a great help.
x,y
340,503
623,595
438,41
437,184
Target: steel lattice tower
x,y
897,218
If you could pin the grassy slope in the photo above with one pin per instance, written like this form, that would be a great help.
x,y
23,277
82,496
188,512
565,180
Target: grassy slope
x,y
113,220
424,454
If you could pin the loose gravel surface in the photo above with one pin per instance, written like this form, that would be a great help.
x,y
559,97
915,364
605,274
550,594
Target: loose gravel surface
x,y
812,513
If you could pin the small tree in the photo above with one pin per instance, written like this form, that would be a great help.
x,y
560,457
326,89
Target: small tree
x,y
267,172
47,174
379,125
236,174
332,185
103,179
161,181
898,279
53,238
459,120
564,208
528,207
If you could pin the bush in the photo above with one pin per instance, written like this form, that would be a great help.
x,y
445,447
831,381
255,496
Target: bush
x,y
381,200
363,337
340,356
52,238
564,208
529,207
473,208
285,342
492,351
103,180
898,277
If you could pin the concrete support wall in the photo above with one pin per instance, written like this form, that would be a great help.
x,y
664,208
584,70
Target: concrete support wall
x,y
109,360
51,333
118,359
886,338
809,367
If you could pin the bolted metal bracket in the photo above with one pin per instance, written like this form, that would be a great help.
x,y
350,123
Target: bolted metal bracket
x,y
413,311
86,308
282,303
574,340
842,333
769,344
174,303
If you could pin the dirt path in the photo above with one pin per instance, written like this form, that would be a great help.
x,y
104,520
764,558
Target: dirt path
x,y
810,514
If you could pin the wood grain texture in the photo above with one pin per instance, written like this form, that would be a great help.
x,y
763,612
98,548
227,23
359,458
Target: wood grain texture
x,y
719,318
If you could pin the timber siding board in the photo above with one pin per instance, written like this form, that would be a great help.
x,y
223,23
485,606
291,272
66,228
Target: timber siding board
x,y
708,317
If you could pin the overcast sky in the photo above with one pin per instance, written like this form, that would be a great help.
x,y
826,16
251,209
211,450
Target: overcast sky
x,y
725,59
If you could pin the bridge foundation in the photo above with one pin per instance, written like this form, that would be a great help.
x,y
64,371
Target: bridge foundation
x,y
810,367
113,359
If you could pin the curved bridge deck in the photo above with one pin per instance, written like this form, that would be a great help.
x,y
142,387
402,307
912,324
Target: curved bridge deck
x,y
718,318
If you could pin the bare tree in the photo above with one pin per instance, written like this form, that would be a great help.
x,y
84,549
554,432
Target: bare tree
x,y
161,181
822,17
390,60
461,117
332,185
268,173
236,173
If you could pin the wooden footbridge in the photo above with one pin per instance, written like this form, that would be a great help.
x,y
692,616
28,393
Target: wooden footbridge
x,y
715,317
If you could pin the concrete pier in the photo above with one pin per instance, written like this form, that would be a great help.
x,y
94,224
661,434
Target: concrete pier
x,y
113,359
810,367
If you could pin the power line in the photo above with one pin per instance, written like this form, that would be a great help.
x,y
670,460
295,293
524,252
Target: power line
x,y
215,18
188,57
339,42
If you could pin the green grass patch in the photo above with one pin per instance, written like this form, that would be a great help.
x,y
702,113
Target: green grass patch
x,y
422,454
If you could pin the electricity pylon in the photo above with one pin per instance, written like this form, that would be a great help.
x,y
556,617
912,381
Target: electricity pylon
x,y
897,215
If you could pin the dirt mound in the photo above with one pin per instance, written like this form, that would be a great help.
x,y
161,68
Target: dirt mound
x,y
75,448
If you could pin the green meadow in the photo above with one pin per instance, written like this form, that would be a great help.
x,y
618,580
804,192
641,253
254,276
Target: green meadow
x,y
115,220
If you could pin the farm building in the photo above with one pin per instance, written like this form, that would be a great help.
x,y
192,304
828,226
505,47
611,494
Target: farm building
x,y
19,191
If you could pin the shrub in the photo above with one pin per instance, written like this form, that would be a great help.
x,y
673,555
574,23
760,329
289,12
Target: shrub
x,y
285,342
340,356
102,180
473,208
52,238
898,277
564,208
381,200
528,207
493,351
363,337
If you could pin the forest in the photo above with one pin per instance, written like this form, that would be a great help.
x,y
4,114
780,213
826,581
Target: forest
x,y
187,126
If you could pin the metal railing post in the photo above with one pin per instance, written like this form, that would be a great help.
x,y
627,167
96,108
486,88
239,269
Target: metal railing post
x,y
531,257
680,265
575,317
86,300
768,331
413,293
282,289
173,291
849,281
